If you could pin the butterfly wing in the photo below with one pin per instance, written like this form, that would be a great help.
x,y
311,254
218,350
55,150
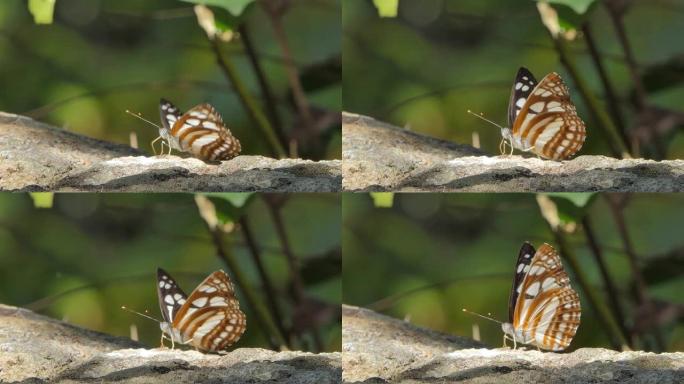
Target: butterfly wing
x,y
547,309
168,113
171,296
547,123
522,87
211,317
202,133
525,255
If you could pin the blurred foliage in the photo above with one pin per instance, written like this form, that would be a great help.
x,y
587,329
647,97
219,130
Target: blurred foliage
x,y
90,254
101,57
438,58
430,255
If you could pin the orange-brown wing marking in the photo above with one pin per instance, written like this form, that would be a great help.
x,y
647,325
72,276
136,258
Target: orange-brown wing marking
x,y
549,122
211,316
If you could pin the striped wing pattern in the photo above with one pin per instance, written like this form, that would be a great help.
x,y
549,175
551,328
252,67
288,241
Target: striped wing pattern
x,y
209,319
200,132
542,117
545,309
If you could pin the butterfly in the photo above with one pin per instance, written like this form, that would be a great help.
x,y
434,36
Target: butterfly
x,y
543,309
210,319
200,132
542,119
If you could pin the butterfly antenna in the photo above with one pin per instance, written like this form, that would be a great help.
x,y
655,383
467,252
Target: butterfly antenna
x,y
140,314
139,116
482,316
480,116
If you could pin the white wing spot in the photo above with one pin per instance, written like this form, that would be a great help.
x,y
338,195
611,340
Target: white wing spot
x,y
525,88
520,102
520,267
518,86
200,302
168,299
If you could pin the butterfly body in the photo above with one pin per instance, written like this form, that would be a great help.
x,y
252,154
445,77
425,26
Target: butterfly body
x,y
541,117
200,132
209,319
544,310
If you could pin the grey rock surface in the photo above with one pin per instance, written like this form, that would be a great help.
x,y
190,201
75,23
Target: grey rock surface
x,y
37,349
37,157
380,157
380,349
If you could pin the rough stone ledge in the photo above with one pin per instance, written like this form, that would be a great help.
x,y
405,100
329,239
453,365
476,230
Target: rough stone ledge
x,y
37,349
380,157
37,157
380,349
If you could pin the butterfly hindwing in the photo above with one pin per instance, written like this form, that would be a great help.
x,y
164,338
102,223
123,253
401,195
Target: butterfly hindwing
x,y
211,318
522,88
546,306
171,296
201,132
542,118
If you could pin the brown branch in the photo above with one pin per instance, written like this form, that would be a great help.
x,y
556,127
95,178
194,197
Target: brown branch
x,y
254,250
612,291
266,91
611,97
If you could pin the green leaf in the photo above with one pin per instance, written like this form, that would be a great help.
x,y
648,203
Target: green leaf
x,y
42,199
42,10
387,8
382,199
235,7
579,6
578,199
237,200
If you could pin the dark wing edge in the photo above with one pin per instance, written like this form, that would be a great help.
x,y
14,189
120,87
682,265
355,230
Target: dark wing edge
x,y
525,257
526,79
162,291
166,109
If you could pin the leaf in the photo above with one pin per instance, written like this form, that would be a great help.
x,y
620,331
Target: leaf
x,y
42,10
382,199
579,6
578,199
42,199
235,7
237,200
387,8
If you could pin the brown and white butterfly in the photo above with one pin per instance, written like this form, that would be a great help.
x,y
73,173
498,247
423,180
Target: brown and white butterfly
x,y
209,319
543,309
200,132
542,119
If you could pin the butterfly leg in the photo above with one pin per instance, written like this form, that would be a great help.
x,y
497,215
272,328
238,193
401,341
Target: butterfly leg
x,y
154,150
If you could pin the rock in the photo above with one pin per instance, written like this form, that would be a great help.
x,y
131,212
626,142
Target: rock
x,y
379,157
37,349
379,349
38,157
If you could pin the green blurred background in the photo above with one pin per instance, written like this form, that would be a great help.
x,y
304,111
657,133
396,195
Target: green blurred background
x,y
101,57
429,255
89,254
438,58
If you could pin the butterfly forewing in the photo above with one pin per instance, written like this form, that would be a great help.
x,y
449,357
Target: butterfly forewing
x,y
547,310
201,132
522,87
527,251
210,318
544,120
171,296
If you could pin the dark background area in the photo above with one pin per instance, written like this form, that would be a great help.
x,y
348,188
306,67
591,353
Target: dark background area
x,y
430,255
424,69
101,57
88,255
